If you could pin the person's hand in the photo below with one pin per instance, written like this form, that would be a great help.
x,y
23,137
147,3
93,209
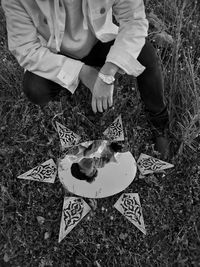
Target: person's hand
x,y
102,93
102,96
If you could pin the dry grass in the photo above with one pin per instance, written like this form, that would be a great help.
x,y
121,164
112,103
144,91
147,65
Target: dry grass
x,y
181,65
171,202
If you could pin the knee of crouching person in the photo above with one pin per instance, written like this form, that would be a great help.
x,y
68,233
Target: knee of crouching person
x,y
36,89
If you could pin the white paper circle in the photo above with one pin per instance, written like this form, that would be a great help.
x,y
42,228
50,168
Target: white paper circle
x,y
112,178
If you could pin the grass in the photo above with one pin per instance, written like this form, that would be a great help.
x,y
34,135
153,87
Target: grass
x,y
170,201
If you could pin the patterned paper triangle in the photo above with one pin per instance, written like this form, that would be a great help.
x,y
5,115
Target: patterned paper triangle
x,y
147,164
115,131
129,206
74,209
67,137
46,172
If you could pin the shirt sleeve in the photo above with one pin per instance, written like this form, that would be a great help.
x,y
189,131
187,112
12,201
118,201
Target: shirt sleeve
x,y
133,28
25,45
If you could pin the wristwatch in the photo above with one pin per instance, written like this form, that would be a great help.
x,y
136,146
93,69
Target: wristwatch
x,y
109,79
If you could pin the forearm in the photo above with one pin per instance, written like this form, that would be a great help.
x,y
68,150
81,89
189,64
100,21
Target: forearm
x,y
109,68
88,76
57,68
133,30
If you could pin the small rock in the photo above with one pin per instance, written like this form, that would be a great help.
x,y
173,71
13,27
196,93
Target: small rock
x,y
123,236
6,258
97,264
40,220
46,235
98,246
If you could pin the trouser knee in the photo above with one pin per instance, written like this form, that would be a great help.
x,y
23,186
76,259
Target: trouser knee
x,y
38,89
150,82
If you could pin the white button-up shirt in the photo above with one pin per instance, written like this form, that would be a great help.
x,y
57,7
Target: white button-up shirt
x,y
36,30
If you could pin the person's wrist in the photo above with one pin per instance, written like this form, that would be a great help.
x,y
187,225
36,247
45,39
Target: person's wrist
x,y
109,68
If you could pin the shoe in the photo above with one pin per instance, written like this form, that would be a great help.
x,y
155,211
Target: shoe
x,y
162,143
160,128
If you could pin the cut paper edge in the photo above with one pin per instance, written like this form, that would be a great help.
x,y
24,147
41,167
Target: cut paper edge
x,y
164,165
86,210
109,132
76,138
27,175
121,210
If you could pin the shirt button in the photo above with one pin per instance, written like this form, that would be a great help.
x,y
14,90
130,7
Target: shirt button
x,y
102,10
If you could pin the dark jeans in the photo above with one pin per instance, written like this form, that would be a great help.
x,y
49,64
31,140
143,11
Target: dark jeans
x,y
150,83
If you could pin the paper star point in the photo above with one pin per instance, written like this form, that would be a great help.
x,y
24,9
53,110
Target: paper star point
x,y
74,209
45,172
129,206
115,131
67,137
147,164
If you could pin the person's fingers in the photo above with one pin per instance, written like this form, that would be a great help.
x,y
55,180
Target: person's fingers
x,y
105,103
110,101
94,107
99,105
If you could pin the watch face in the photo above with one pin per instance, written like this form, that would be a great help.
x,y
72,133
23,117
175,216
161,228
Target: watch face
x,y
109,80
106,78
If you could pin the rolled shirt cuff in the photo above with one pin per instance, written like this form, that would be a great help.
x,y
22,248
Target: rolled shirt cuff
x,y
69,74
125,62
